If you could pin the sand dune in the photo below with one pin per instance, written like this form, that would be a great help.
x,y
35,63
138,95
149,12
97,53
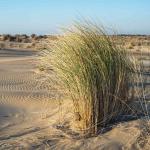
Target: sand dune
x,y
30,119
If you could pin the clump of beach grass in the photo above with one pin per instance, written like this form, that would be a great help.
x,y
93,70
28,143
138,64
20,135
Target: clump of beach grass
x,y
94,73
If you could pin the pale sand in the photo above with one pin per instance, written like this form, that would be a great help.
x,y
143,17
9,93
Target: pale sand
x,y
30,118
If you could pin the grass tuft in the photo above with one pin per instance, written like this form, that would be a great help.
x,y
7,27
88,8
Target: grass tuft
x,y
94,72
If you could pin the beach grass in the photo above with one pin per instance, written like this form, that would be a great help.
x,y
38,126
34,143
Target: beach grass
x,y
94,73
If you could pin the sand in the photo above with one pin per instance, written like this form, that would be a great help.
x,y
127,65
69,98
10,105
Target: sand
x,y
31,119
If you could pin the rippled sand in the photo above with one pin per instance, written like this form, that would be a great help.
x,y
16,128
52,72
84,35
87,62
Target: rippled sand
x,y
24,100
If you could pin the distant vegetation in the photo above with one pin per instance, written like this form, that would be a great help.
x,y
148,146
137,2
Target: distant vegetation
x,y
25,38
24,41
21,38
35,41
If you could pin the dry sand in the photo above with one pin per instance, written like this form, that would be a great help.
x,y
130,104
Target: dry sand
x,y
31,119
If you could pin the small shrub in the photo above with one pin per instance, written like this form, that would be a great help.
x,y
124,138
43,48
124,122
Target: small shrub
x,y
132,44
139,44
130,47
33,36
41,68
2,45
5,37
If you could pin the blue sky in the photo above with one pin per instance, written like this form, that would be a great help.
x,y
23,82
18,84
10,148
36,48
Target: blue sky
x,y
47,16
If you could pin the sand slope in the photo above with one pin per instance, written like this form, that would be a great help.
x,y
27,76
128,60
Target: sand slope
x,y
30,119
